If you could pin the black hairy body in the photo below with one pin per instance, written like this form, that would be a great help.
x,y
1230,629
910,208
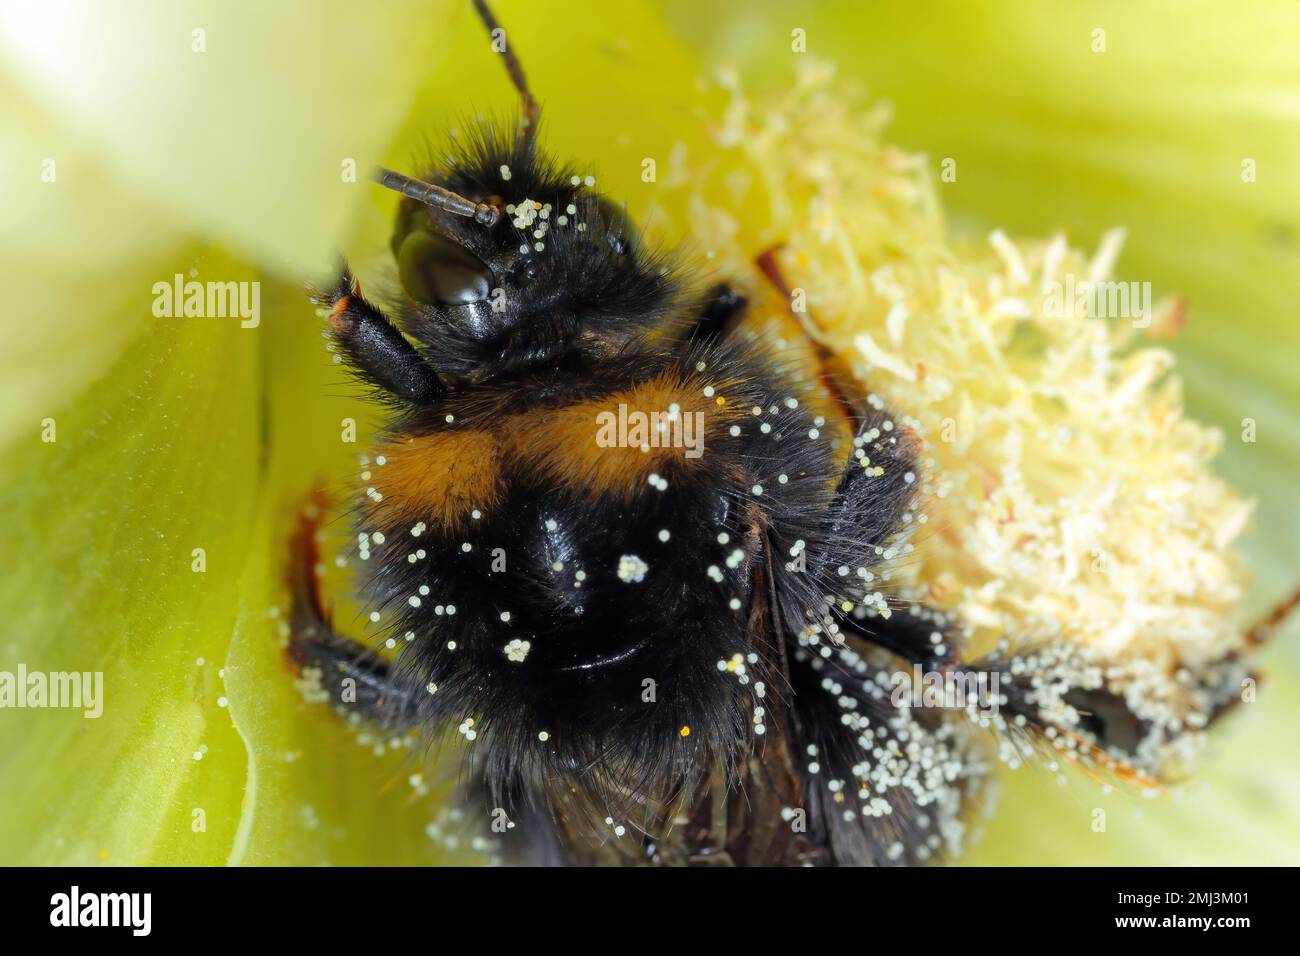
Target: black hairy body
x,y
671,603
639,563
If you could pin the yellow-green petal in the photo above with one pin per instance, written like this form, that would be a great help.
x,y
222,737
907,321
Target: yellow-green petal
x,y
128,516
257,124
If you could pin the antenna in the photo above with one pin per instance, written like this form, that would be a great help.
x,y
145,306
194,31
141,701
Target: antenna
x,y
454,203
438,198
531,108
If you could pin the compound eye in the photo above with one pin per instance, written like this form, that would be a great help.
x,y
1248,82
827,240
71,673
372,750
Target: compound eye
x,y
620,231
437,271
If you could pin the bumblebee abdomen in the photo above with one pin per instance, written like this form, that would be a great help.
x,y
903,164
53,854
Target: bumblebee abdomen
x,y
568,609
577,564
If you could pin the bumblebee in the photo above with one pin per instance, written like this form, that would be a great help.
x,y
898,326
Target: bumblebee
x,y
639,560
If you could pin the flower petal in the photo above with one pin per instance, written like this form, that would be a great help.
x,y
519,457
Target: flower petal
x,y
257,123
103,573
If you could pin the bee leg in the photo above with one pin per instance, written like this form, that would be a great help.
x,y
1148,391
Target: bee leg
x,y
713,852
723,309
350,674
910,633
835,372
355,680
821,589
854,811
374,348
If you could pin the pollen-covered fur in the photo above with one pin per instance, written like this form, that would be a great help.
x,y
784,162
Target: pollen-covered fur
x,y
643,567
622,549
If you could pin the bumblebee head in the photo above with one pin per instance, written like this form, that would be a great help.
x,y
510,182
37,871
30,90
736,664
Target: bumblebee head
x,y
510,263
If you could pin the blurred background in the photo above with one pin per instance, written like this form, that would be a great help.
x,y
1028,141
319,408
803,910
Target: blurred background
x,y
151,139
